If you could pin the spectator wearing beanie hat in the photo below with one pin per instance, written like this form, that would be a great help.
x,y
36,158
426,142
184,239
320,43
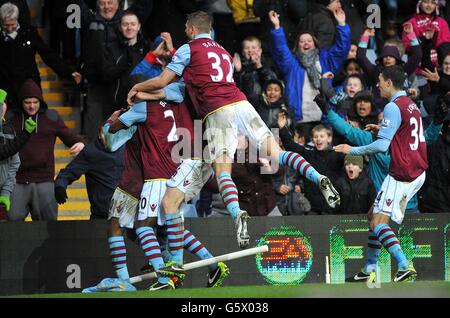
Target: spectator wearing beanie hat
x,y
34,191
356,189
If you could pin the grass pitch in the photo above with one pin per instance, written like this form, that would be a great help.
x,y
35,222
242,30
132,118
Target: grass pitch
x,y
434,289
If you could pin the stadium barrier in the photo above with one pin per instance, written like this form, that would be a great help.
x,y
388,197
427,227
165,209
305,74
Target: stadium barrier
x,y
54,257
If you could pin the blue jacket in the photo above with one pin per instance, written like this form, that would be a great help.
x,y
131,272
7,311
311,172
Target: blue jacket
x,y
102,169
331,60
378,162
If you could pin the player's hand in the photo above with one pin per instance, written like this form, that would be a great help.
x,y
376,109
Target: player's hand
x,y
343,148
339,15
5,201
275,19
76,148
284,189
167,38
131,95
322,102
431,76
60,195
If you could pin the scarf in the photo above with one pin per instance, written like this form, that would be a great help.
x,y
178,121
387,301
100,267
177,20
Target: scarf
x,y
308,61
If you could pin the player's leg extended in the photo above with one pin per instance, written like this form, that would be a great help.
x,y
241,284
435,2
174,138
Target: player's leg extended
x,y
228,191
294,160
171,202
118,250
217,271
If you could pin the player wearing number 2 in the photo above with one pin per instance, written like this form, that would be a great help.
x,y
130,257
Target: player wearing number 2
x,y
402,131
207,70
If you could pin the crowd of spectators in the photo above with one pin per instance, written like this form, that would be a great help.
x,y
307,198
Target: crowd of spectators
x,y
309,67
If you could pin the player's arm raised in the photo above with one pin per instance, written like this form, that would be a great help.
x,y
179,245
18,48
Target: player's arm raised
x,y
156,83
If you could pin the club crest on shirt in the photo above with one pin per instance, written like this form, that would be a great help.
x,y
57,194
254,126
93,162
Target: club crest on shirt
x,y
385,123
153,207
186,183
388,202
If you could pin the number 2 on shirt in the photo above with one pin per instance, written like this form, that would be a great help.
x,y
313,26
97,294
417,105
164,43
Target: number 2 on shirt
x,y
217,65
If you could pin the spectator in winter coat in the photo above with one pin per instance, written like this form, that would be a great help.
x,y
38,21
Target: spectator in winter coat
x,y
271,102
9,162
363,110
389,56
11,145
19,45
99,29
252,70
434,196
34,189
322,23
356,189
102,168
303,68
119,59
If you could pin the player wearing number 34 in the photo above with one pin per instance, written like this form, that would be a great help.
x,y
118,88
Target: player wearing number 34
x,y
401,131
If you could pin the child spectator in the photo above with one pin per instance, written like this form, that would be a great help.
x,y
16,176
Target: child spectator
x,y
389,56
271,103
302,136
253,69
321,157
351,67
430,29
356,189
342,102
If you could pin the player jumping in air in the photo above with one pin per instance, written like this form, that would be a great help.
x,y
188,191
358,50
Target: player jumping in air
x,y
207,70
401,131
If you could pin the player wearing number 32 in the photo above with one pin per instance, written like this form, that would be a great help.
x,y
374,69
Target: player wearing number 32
x,y
207,70
402,131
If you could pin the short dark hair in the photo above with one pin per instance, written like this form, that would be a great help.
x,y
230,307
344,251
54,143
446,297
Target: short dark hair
x,y
396,74
303,131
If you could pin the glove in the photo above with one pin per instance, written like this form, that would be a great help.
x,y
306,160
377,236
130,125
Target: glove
x,y
5,201
60,195
442,109
30,125
322,102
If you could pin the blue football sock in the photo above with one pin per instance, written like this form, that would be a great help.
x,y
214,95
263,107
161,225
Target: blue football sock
x,y
373,252
197,248
150,246
389,240
175,236
118,254
229,194
297,162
